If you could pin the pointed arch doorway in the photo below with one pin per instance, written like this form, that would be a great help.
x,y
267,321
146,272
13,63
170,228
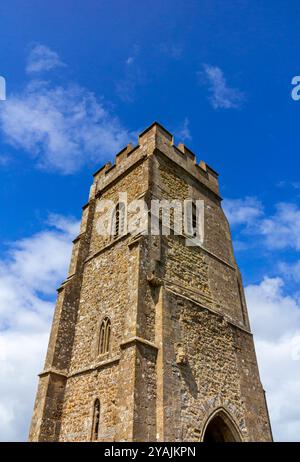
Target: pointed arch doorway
x,y
220,429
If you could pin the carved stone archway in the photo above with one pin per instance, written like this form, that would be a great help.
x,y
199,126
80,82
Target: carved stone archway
x,y
220,428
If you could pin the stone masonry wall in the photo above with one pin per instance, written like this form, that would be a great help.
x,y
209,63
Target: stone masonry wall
x,y
209,273
81,392
210,376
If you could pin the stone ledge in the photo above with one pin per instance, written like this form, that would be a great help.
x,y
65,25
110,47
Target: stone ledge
x,y
135,340
95,366
213,255
52,370
106,247
136,239
78,237
66,281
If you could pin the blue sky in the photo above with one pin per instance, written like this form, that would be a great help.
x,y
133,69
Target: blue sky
x,y
83,78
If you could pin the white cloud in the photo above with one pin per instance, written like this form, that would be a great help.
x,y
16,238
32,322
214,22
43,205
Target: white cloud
x,y
274,313
221,95
282,230
242,211
268,303
62,127
41,58
275,320
25,318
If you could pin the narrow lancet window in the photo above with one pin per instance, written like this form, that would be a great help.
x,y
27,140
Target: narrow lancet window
x,y
119,220
96,420
104,339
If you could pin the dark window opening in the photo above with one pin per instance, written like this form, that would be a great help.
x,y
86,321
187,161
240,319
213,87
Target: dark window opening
x,y
96,420
119,220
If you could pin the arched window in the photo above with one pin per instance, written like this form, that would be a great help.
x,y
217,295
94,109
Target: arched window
x,y
96,420
119,220
104,338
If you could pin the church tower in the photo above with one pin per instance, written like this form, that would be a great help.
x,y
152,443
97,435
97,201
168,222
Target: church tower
x,y
150,339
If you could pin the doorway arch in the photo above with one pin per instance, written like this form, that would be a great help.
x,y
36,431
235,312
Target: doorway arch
x,y
220,428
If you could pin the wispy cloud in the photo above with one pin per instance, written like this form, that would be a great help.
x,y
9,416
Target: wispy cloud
x,y
277,231
282,230
182,132
126,87
133,76
172,50
222,96
130,60
243,211
41,58
289,184
2,88
26,311
290,271
62,126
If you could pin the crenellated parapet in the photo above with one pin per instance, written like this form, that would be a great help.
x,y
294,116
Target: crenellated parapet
x,y
155,137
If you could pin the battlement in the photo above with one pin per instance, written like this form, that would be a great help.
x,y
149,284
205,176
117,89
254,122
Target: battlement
x,y
155,137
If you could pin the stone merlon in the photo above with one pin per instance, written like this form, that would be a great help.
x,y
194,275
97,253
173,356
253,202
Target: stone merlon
x,y
156,137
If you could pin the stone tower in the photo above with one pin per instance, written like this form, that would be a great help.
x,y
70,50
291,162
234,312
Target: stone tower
x,y
150,339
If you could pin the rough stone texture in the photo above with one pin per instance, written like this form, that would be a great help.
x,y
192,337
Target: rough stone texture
x,y
181,350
